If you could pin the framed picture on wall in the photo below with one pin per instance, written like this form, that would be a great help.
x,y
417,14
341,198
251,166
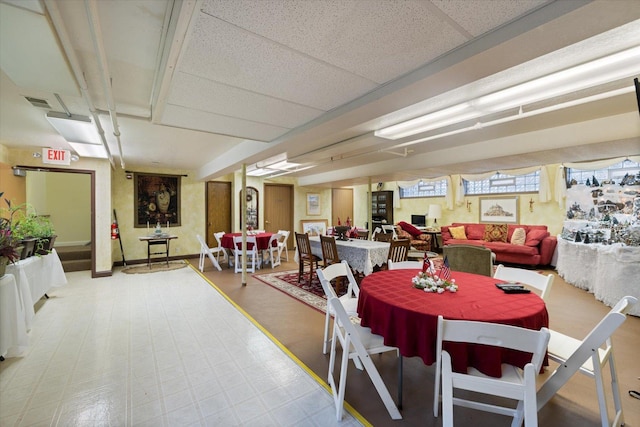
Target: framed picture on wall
x,y
313,204
499,210
156,200
314,227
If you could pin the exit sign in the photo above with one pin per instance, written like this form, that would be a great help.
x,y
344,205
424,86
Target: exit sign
x,y
56,157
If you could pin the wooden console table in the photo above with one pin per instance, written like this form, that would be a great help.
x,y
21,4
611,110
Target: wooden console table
x,y
155,240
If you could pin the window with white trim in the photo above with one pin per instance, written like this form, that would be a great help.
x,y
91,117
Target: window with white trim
x,y
425,189
614,173
501,183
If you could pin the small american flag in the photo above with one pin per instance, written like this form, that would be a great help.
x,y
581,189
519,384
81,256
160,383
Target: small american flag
x,y
445,271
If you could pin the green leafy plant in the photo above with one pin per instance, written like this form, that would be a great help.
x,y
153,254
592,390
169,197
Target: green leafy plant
x,y
8,242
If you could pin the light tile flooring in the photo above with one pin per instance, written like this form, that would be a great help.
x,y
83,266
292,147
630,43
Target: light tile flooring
x,y
161,349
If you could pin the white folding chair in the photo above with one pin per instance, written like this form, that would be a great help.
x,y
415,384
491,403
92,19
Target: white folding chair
x,y
220,250
536,280
274,250
357,343
588,356
515,383
349,300
282,243
403,265
252,254
205,250
375,231
388,228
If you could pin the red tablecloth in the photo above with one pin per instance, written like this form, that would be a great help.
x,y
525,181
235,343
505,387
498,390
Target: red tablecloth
x,y
407,317
262,239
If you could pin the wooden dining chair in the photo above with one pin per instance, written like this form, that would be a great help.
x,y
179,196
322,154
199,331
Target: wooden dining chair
x,y
383,237
305,257
399,250
329,250
362,234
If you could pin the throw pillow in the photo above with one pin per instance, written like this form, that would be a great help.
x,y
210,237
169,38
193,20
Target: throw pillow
x,y
518,237
410,229
458,232
534,237
495,233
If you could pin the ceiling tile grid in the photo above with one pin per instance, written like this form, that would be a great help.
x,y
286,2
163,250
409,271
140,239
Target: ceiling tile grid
x,y
174,115
201,94
221,52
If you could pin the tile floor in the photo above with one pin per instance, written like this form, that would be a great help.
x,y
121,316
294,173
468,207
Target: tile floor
x,y
161,349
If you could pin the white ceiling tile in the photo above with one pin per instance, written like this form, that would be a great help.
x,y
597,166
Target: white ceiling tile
x,y
376,39
221,52
186,118
201,94
479,16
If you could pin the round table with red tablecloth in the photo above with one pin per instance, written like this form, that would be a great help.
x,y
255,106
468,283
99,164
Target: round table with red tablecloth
x,y
262,239
407,317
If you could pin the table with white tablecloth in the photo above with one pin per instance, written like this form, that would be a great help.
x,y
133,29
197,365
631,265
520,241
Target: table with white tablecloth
x,y
13,330
610,272
362,255
35,276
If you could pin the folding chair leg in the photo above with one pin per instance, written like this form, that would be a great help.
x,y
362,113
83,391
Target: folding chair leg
x,y
617,403
327,320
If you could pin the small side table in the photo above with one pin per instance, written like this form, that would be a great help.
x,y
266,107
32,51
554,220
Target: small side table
x,y
159,239
434,238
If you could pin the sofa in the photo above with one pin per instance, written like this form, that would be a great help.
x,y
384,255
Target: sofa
x,y
532,245
419,241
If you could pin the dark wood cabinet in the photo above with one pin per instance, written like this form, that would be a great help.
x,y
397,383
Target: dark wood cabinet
x,y
381,208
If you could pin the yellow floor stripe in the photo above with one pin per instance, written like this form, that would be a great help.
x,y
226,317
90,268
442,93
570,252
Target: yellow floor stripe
x,y
293,357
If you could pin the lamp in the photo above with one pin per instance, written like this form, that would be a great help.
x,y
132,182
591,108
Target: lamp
x,y
435,212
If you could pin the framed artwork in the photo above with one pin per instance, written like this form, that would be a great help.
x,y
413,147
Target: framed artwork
x,y
313,204
156,200
314,227
499,210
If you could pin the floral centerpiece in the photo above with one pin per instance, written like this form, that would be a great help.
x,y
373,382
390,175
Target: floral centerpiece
x,y
428,281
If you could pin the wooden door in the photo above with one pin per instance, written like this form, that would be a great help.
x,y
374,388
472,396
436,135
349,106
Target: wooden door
x,y
278,209
218,209
342,205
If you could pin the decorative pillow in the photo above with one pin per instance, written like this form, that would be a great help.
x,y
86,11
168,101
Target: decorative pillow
x,y
458,232
518,237
495,233
410,229
534,237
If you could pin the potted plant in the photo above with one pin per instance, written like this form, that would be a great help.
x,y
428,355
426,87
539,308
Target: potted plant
x,y
8,244
36,232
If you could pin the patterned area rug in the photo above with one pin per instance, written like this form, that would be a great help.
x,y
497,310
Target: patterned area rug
x,y
287,282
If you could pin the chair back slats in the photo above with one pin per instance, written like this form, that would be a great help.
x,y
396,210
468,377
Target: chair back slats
x,y
329,250
383,237
362,234
304,247
399,250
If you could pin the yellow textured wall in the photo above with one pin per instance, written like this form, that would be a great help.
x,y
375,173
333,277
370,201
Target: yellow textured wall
x,y
192,215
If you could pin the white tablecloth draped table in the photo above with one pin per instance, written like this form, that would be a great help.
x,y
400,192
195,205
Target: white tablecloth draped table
x,y
35,276
13,330
362,255
610,272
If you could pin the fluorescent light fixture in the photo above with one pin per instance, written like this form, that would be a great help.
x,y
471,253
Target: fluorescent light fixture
x,y
74,128
89,150
600,71
502,182
274,166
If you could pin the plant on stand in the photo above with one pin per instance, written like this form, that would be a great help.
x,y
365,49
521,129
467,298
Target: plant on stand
x,y
8,244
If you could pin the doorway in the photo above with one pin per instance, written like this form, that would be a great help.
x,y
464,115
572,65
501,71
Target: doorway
x,y
218,209
341,205
278,209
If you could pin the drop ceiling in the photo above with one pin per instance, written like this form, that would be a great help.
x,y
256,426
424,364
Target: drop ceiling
x,y
209,85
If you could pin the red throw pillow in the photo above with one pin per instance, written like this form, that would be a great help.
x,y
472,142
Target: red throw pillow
x,y
410,229
534,237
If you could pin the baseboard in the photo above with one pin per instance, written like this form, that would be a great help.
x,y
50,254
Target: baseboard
x,y
78,243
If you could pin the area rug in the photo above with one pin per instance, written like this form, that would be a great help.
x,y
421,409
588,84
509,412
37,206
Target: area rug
x,y
155,267
287,282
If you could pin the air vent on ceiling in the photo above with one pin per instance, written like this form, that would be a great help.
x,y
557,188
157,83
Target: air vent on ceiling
x,y
39,103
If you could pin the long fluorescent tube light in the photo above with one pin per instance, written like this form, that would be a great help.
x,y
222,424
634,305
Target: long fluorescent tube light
x,y
74,128
603,70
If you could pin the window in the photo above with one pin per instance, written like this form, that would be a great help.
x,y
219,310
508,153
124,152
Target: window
x,y
503,183
425,189
612,173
